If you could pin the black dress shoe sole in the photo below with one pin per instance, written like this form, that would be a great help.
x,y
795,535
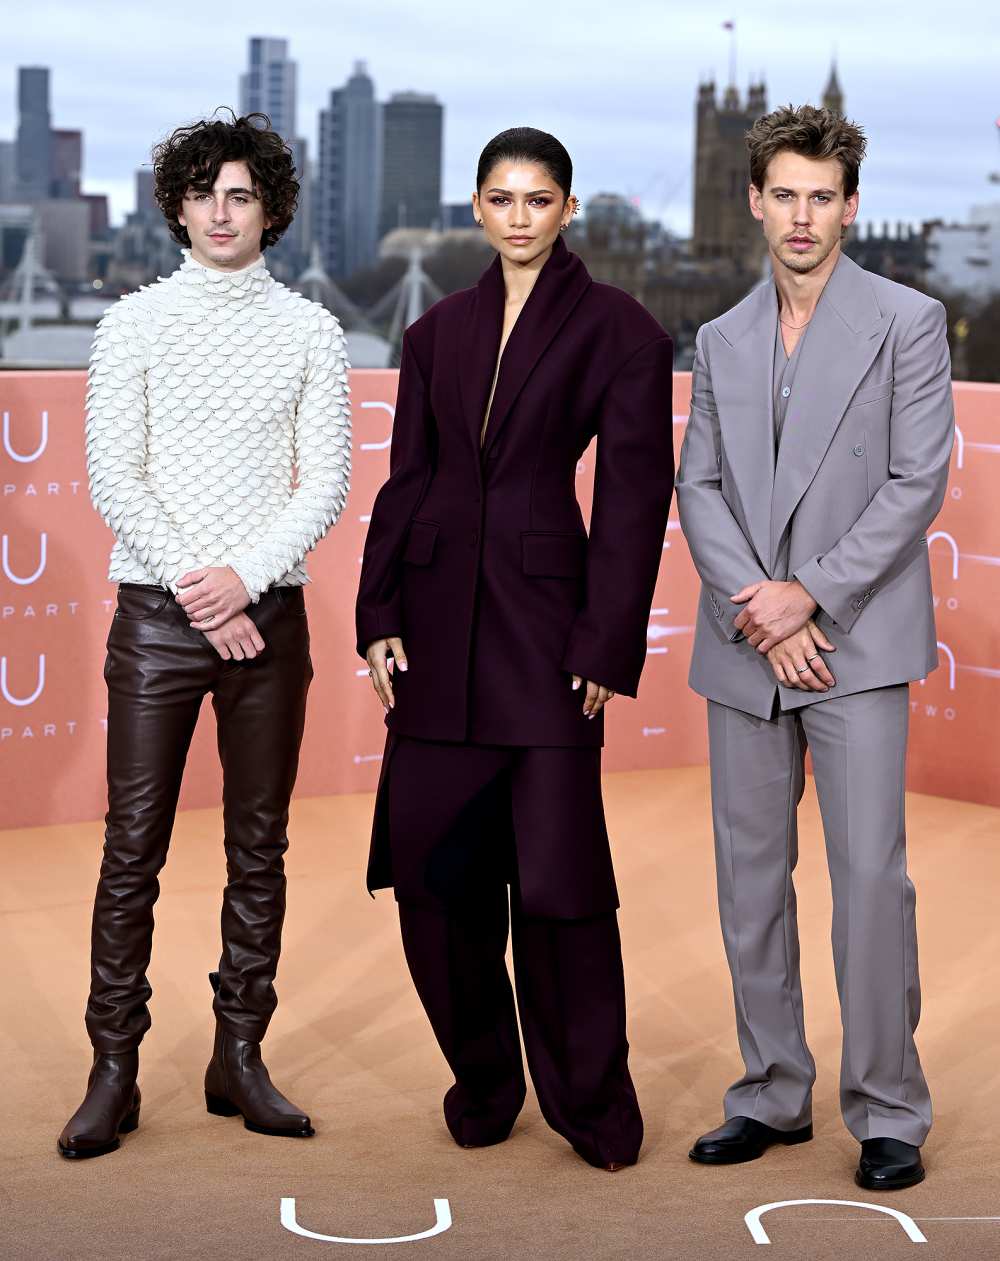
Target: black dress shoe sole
x,y
275,1132
127,1126
220,1107
742,1156
889,1184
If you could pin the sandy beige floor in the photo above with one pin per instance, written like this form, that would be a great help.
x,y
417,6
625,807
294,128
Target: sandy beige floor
x,y
350,1043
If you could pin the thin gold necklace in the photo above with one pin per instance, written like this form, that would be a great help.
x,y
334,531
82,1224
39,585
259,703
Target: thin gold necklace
x,y
787,325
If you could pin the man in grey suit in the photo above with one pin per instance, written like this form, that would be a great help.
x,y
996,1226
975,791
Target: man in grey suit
x,y
815,459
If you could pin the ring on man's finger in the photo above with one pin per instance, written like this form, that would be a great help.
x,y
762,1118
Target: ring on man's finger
x,y
802,669
814,657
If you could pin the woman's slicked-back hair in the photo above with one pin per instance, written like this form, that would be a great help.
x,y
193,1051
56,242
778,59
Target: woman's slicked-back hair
x,y
811,132
192,156
527,144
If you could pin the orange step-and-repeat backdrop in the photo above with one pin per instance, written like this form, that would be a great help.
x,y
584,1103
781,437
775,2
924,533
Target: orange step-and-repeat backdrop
x,y
56,605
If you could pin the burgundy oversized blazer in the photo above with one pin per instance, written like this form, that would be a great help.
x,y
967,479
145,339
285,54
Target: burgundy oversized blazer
x,y
478,558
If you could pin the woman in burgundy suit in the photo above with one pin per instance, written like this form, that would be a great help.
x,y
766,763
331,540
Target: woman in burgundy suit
x,y
508,630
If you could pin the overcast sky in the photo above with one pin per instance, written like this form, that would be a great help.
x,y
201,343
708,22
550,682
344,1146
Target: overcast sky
x,y
615,80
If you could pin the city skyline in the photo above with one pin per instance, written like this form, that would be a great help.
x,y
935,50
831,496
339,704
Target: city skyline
x,y
561,82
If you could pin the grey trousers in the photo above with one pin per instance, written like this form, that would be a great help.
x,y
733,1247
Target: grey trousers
x,y
858,746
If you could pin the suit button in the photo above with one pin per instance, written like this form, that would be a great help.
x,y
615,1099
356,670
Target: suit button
x,y
786,391
859,449
474,539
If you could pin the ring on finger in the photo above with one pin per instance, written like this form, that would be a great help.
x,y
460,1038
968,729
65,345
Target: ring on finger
x,y
814,657
802,669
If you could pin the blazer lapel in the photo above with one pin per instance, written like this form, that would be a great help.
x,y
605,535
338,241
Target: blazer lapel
x,y
561,284
480,344
742,382
845,334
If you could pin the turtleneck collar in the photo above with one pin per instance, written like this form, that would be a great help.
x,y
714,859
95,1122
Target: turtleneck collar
x,y
214,285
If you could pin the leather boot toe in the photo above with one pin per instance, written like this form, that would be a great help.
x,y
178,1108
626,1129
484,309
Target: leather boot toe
x,y
110,1108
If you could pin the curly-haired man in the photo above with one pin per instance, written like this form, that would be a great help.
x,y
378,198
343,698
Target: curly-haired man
x,y
815,459
218,449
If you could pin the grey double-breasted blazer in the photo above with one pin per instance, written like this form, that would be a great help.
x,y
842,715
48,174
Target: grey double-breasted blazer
x,y
859,476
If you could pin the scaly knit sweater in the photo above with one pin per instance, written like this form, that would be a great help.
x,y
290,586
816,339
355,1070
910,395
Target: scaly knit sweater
x,y
218,427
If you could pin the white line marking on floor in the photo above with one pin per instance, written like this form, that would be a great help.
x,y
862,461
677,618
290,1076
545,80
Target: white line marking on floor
x,y
442,1212
760,1235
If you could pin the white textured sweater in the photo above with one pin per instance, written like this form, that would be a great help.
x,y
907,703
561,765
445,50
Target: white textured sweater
x,y
218,427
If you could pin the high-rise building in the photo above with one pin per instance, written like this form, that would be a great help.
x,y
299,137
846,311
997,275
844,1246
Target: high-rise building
x,y
34,133
412,126
457,214
723,225
269,85
8,170
67,163
348,196
300,234
145,203
65,233
100,215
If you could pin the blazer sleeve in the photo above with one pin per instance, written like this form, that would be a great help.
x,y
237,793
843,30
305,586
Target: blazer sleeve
x,y
921,433
723,557
632,488
378,612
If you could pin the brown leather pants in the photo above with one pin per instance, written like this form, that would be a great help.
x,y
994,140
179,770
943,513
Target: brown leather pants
x,y
158,671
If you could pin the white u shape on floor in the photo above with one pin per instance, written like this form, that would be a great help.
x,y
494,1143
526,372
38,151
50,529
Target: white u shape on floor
x,y
759,1234
442,1213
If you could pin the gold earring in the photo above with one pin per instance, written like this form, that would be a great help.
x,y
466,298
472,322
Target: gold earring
x,y
564,227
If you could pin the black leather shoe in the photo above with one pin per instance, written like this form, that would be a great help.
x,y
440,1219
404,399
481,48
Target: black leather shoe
x,y
741,1139
888,1164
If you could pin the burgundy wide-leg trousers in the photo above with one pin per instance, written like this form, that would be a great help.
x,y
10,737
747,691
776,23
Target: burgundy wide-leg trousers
x,y
459,807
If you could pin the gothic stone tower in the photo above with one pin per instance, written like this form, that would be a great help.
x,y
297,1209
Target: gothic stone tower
x,y
833,96
724,229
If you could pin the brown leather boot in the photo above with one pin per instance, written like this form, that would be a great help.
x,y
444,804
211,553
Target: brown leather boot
x,y
237,1083
110,1108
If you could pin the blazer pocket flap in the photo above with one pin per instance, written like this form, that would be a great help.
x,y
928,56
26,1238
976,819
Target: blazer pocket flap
x,y
420,543
547,554
872,393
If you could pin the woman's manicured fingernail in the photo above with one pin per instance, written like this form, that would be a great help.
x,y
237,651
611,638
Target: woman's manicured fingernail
x,y
591,715
576,685
402,665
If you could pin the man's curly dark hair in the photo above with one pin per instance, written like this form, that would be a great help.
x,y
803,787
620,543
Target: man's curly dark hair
x,y
191,157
